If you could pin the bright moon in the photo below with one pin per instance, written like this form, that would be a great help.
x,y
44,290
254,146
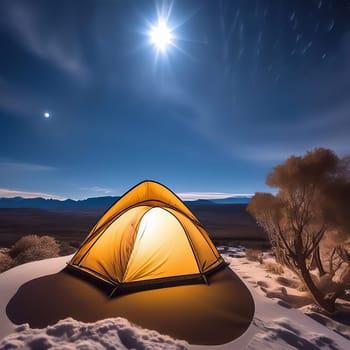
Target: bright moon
x,y
47,115
161,35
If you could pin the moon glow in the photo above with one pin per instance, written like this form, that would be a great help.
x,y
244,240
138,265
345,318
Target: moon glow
x,y
161,35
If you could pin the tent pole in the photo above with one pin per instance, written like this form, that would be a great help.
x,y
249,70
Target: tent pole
x,y
113,291
205,279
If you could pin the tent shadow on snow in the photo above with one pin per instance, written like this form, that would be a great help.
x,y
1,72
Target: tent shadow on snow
x,y
151,253
201,314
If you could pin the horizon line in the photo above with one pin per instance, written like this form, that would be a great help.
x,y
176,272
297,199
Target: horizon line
x,y
185,196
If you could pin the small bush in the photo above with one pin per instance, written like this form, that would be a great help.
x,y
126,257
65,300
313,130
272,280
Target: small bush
x,y
32,247
23,244
274,268
254,255
66,249
6,262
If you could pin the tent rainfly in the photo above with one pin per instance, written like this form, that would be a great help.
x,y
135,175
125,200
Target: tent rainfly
x,y
148,238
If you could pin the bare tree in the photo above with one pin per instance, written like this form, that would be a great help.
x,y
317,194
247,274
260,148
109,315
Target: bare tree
x,y
298,216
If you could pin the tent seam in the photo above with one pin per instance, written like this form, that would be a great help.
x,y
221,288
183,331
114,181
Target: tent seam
x,y
189,240
138,226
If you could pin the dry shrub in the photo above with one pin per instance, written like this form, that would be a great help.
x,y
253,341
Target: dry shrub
x,y
6,262
66,249
254,255
32,247
23,244
274,268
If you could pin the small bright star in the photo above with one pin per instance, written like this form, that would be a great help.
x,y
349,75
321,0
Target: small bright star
x,y
47,115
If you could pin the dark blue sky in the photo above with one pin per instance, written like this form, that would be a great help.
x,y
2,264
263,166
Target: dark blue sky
x,y
251,83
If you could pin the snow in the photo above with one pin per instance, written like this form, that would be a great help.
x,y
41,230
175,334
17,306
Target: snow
x,y
338,327
277,323
283,333
237,252
12,279
115,333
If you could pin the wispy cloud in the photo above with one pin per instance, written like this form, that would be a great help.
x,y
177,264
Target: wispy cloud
x,y
279,150
56,45
7,193
24,167
191,196
97,189
316,114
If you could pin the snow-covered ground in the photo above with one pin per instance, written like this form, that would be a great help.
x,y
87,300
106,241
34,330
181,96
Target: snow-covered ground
x,y
276,324
112,333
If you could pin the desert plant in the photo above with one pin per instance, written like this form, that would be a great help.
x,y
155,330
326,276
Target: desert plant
x,y
275,268
66,248
6,262
23,244
32,247
312,198
254,255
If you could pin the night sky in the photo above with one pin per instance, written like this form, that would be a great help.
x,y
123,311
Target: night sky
x,y
244,85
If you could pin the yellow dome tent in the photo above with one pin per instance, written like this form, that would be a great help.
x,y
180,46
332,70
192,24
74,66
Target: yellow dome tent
x,y
147,238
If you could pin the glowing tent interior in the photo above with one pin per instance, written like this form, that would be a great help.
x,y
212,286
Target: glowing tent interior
x,y
148,238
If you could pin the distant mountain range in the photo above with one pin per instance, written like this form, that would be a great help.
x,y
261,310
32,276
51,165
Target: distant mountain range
x,y
232,200
19,202
97,202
